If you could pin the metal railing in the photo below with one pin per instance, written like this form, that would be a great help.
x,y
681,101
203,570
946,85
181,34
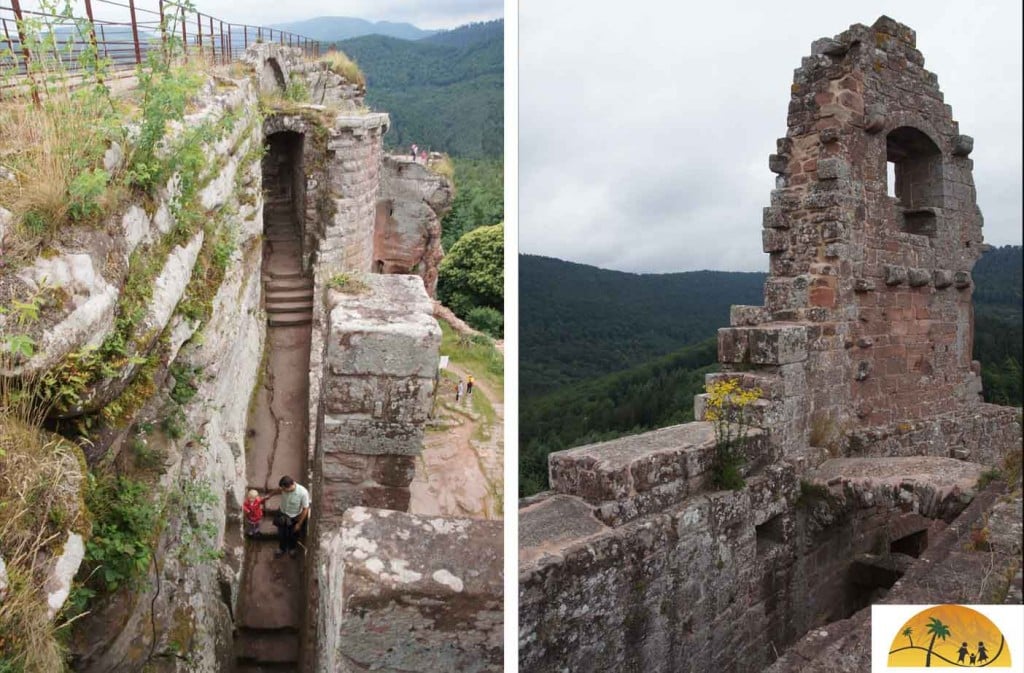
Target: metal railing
x,y
123,36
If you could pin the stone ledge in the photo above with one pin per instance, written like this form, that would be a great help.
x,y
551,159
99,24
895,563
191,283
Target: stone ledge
x,y
635,476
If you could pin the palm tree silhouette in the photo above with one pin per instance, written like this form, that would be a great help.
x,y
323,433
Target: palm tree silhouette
x,y
938,630
906,632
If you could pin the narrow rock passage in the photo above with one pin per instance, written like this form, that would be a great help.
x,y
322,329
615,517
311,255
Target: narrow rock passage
x,y
271,598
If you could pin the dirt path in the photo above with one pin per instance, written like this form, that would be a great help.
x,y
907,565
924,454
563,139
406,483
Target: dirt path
x,y
460,471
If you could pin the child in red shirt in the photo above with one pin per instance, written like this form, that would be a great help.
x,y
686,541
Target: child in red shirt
x,y
253,509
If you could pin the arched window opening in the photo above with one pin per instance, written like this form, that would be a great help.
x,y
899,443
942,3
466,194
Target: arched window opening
x,y
915,165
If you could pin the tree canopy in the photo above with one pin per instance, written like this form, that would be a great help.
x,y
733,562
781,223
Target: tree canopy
x,y
472,274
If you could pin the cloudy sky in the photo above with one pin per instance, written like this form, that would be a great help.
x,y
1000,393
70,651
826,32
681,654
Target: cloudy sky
x,y
644,134
422,13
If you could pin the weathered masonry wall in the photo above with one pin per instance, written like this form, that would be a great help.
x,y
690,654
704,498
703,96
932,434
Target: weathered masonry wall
x,y
408,593
379,370
355,148
870,435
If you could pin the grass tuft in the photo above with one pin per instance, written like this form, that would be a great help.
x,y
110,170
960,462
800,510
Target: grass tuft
x,y
340,64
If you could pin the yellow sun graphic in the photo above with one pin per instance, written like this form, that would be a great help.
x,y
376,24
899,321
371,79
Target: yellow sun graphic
x,y
950,636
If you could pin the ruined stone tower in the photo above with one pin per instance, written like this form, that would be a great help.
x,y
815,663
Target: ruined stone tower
x,y
870,435
869,292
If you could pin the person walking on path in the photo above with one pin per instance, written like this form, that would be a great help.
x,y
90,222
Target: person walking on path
x,y
291,521
469,386
458,391
415,151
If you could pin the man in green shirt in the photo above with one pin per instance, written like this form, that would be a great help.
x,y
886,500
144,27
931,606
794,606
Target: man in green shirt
x,y
295,508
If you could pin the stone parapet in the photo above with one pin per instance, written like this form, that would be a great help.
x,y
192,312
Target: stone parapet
x,y
635,476
401,592
379,368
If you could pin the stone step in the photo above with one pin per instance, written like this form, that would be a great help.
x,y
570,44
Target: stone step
x,y
267,646
287,284
251,667
289,307
291,273
282,238
304,294
289,319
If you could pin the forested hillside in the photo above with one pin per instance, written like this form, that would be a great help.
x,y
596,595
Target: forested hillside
x,y
443,93
660,392
578,322
999,323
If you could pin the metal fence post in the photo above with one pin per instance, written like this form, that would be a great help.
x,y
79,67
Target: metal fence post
x,y
245,36
213,42
230,46
135,32
16,6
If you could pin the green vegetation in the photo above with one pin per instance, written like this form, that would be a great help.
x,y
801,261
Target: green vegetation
x,y
653,395
444,93
477,354
40,501
347,283
728,407
999,324
479,198
339,63
124,531
472,274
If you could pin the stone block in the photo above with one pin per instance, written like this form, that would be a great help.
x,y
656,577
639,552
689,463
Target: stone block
x,y
777,344
774,240
366,436
833,168
962,280
732,344
942,279
786,293
385,398
963,146
918,277
393,470
863,285
740,316
778,163
895,275
621,468
386,330
403,592
773,217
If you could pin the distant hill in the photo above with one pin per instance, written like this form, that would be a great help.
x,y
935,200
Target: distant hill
x,y
654,395
445,92
578,322
334,28
582,313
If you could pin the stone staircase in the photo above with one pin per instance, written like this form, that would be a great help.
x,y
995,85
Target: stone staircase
x,y
287,290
